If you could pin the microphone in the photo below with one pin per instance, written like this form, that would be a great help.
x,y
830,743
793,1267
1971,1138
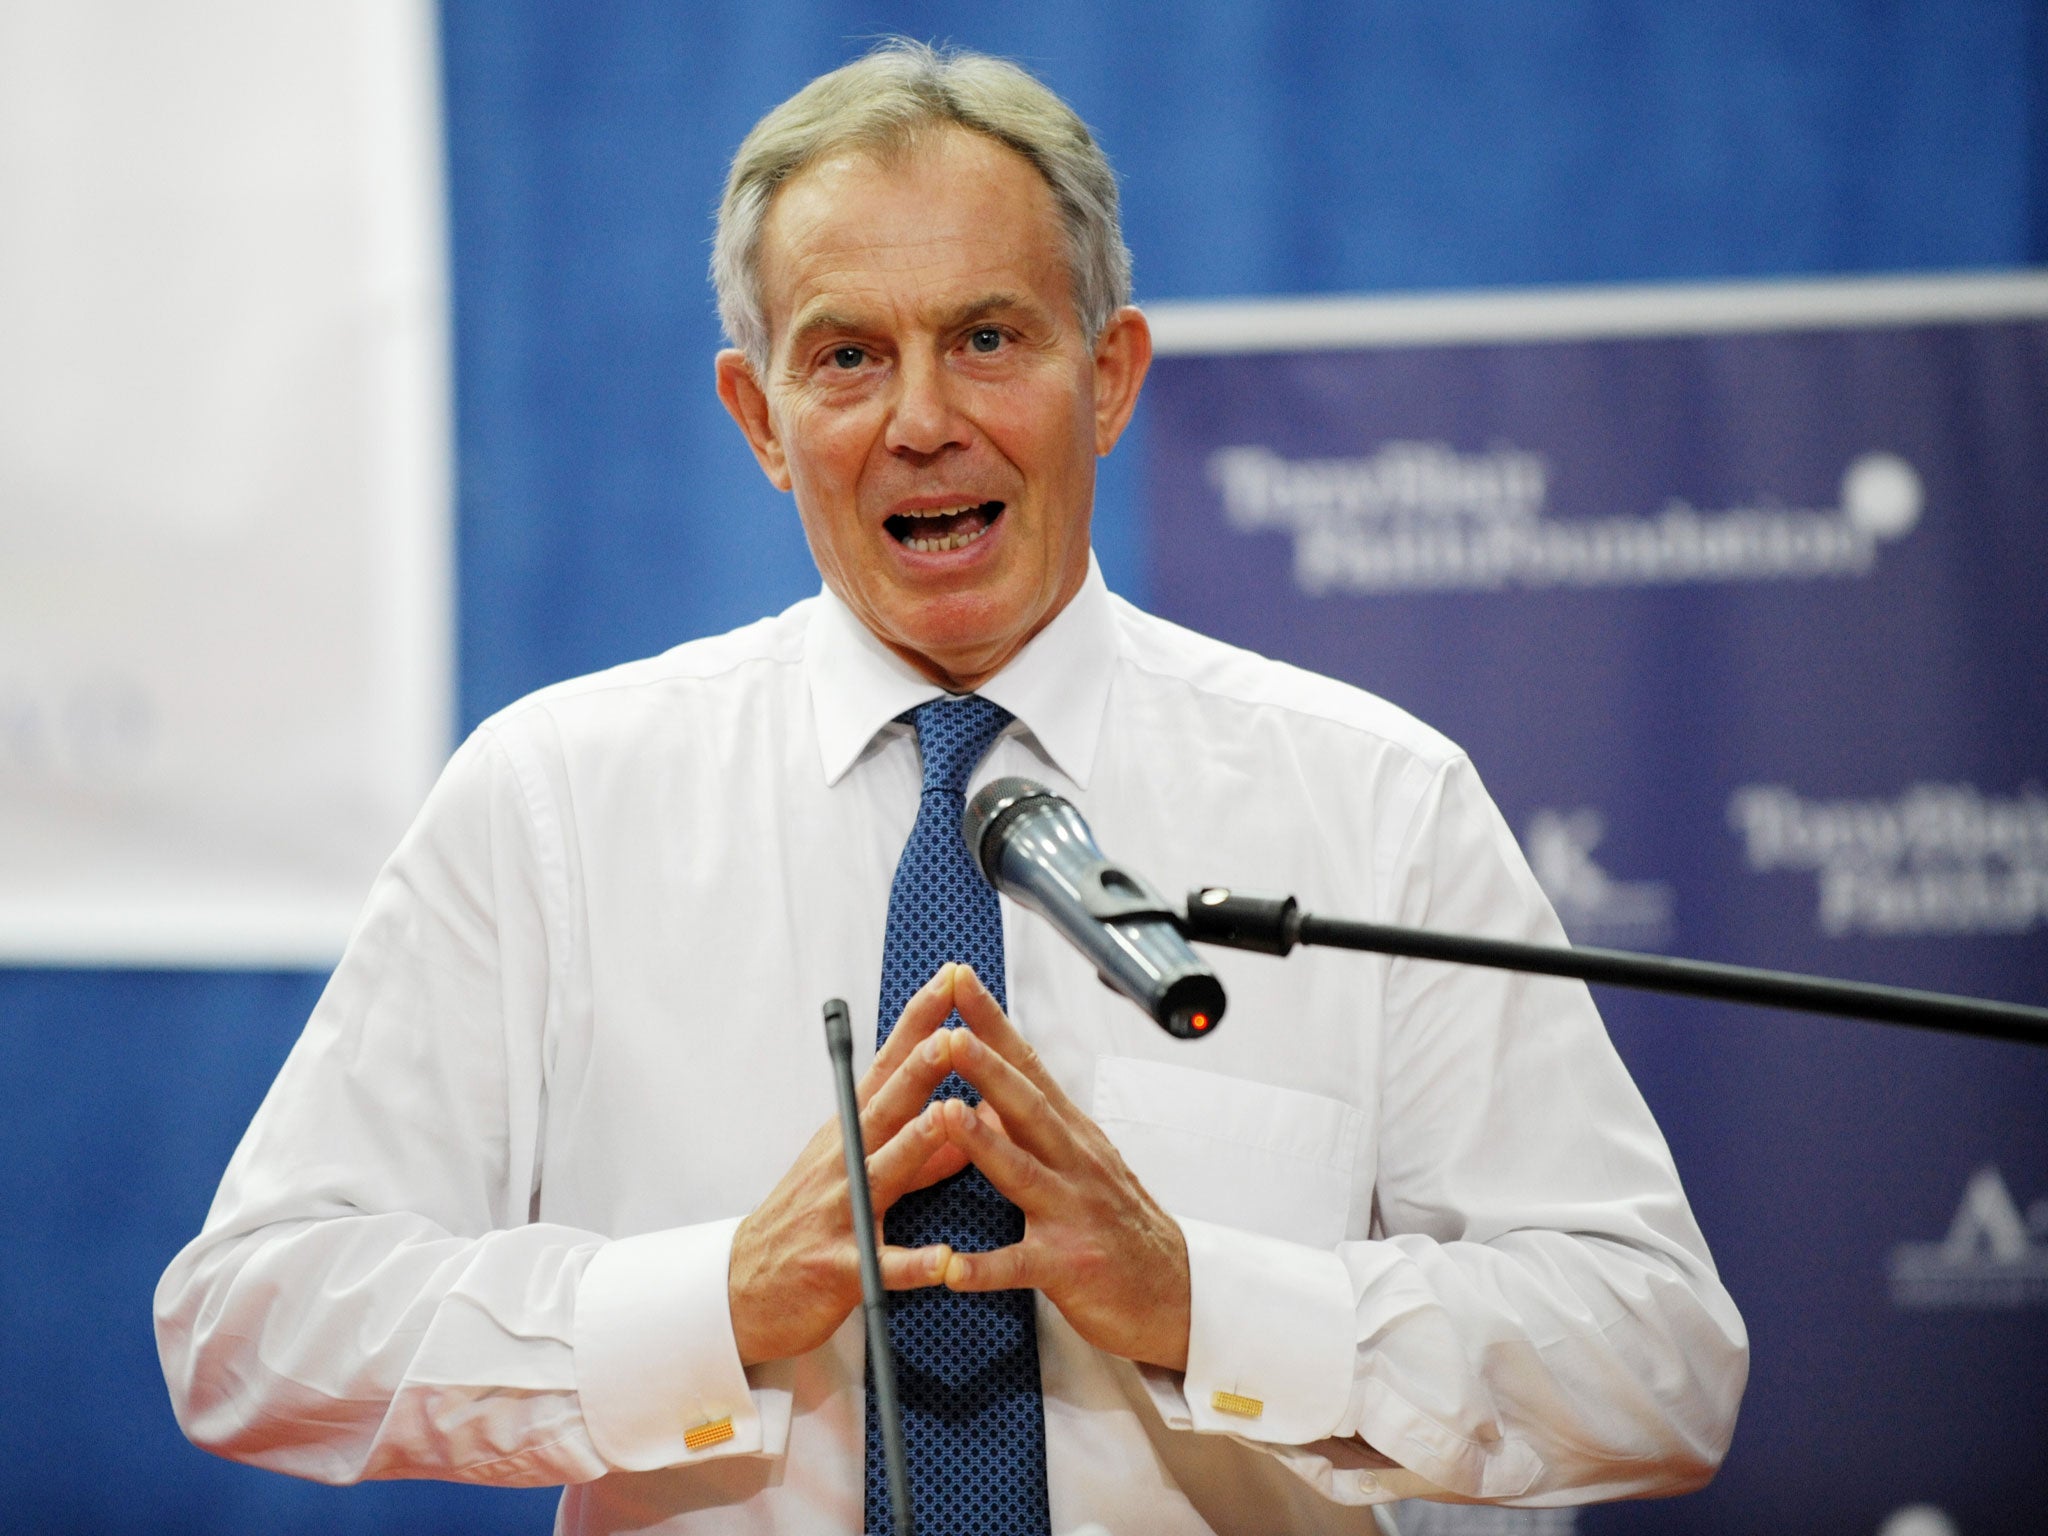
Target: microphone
x,y
1033,846
881,1356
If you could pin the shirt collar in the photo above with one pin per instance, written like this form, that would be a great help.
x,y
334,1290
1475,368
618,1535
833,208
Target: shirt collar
x,y
1057,686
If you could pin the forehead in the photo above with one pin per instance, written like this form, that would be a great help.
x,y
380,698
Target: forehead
x,y
951,218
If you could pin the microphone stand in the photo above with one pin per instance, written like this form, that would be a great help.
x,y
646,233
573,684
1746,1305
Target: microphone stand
x,y
1274,925
881,1359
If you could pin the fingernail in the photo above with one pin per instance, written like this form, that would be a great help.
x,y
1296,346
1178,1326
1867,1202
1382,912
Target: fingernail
x,y
955,1270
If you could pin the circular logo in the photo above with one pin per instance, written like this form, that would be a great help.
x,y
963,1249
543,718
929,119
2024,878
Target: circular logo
x,y
1918,1520
1881,495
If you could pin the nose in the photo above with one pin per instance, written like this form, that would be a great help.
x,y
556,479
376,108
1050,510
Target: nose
x,y
924,418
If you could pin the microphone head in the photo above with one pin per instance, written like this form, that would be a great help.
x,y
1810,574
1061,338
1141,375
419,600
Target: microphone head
x,y
1033,846
988,815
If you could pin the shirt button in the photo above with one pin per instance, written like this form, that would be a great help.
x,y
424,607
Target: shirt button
x,y
1367,1483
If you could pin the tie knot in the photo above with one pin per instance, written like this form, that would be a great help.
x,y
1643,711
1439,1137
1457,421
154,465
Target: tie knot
x,y
954,734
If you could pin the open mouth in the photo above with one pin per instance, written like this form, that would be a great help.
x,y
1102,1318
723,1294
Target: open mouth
x,y
943,528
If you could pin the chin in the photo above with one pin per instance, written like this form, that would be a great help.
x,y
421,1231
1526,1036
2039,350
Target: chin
x,y
959,651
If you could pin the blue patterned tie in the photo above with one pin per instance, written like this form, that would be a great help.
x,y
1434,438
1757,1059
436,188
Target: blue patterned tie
x,y
966,1363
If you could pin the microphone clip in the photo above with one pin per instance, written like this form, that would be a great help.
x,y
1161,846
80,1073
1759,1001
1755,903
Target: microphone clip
x,y
1268,925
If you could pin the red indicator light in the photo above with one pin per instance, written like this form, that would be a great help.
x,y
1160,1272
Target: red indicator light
x,y
1201,1022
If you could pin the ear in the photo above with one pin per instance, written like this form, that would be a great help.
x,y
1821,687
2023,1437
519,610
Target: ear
x,y
743,396
1122,356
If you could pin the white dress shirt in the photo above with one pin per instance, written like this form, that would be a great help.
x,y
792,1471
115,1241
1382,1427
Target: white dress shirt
x,y
480,1227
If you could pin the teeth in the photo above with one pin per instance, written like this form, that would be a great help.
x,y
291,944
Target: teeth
x,y
941,543
951,541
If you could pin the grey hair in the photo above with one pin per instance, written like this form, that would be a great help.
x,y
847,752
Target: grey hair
x,y
882,103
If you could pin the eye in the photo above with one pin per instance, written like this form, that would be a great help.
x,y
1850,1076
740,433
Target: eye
x,y
848,357
985,338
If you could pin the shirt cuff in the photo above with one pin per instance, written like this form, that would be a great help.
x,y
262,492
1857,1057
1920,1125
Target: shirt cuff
x,y
657,1370
1272,1336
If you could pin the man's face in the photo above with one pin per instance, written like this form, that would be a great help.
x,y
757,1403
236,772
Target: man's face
x,y
930,398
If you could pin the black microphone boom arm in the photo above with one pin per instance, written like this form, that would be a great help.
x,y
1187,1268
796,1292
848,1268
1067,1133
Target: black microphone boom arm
x,y
1274,925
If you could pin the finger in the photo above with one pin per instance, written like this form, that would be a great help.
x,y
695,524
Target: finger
x,y
980,1012
912,1269
1028,1117
1000,1269
906,1091
894,1164
929,1007
1018,1176
917,1157
942,1164
950,1159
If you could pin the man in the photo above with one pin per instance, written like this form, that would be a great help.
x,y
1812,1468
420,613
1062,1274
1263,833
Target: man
x,y
549,1190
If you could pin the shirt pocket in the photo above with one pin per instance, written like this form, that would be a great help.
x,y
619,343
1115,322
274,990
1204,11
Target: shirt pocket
x,y
1242,1154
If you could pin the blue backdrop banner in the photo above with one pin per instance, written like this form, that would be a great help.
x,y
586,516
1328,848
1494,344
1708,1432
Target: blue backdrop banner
x,y
1735,596
607,509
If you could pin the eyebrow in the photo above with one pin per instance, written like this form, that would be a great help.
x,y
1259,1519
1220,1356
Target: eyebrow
x,y
981,309
822,323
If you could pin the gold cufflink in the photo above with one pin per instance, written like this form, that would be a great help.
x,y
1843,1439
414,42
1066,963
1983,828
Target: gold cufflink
x,y
717,1432
1243,1407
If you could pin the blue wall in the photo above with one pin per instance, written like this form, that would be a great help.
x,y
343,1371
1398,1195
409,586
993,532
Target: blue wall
x,y
608,509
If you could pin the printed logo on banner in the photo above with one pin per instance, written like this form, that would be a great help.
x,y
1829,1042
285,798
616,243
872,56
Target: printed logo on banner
x,y
1416,516
1938,859
1594,907
1993,1257
78,733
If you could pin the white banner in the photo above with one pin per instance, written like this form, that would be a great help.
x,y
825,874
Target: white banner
x,y
225,613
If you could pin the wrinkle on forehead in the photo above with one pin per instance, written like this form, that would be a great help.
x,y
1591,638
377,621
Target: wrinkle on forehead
x,y
819,248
